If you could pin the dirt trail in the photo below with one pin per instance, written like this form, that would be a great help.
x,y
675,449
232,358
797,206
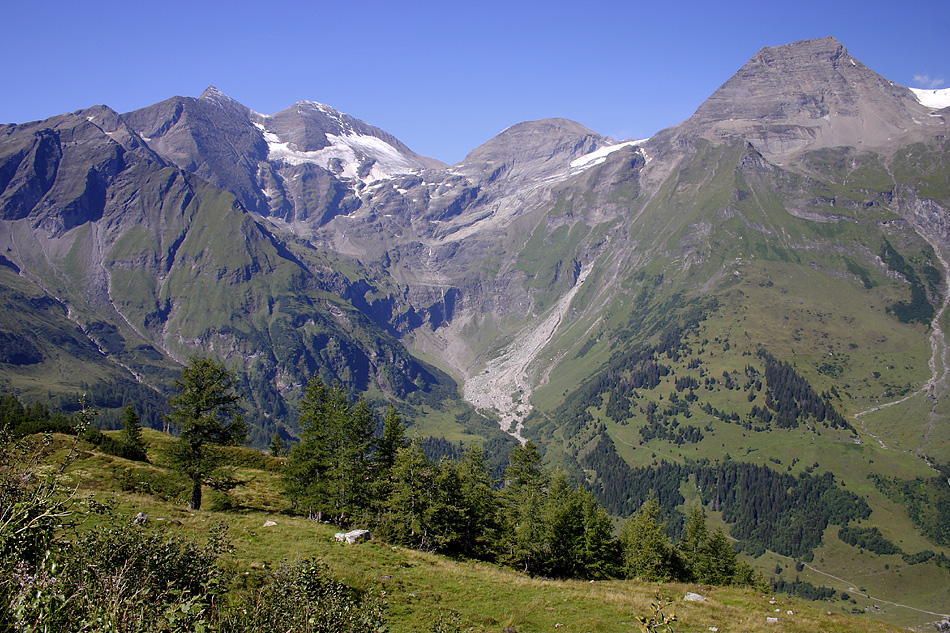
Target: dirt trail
x,y
939,382
852,589
503,386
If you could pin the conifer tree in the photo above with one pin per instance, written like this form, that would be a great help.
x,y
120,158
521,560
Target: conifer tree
x,y
647,553
407,509
692,545
132,434
394,438
328,470
205,411
523,500
481,527
277,448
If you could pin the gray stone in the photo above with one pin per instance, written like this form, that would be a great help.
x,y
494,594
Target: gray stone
x,y
355,536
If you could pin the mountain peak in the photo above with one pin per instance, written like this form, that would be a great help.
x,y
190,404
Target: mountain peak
x,y
536,148
212,93
215,96
810,93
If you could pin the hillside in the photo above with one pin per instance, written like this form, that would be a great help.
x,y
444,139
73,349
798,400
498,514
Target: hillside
x,y
418,589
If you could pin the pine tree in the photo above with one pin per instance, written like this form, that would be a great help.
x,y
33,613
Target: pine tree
x,y
132,435
647,553
205,411
277,448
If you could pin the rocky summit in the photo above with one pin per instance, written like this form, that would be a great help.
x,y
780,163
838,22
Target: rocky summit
x,y
770,273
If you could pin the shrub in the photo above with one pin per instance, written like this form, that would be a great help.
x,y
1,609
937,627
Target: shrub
x,y
304,596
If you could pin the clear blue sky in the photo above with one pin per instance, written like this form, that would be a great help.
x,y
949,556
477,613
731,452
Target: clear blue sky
x,y
443,77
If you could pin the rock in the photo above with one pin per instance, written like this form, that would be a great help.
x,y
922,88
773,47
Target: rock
x,y
140,519
352,537
771,620
694,597
269,523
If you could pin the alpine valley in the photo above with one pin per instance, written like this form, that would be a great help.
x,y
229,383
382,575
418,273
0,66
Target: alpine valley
x,y
747,309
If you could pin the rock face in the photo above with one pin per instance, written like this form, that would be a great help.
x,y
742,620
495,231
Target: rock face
x,y
811,94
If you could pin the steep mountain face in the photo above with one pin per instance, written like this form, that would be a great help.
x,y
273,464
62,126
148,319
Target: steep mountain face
x,y
153,263
767,279
810,94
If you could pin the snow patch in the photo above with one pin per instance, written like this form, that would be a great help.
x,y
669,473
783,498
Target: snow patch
x,y
352,150
598,156
936,99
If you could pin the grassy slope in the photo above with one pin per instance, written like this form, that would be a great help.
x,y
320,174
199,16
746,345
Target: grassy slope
x,y
815,294
421,587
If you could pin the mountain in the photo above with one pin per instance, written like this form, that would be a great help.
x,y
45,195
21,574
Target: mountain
x,y
763,285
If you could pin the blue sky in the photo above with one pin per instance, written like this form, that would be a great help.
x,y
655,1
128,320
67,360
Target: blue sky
x,y
443,77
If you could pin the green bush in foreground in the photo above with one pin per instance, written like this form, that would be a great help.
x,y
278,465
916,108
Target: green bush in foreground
x,y
120,577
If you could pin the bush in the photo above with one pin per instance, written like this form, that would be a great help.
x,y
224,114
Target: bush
x,y
118,578
167,487
126,578
304,596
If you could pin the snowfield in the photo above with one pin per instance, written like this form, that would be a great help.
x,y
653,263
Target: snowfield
x,y
936,99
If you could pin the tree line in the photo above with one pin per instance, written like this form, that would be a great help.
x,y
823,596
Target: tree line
x,y
534,520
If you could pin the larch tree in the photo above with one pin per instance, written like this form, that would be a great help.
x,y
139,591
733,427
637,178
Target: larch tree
x,y
206,411
329,469
647,553
132,434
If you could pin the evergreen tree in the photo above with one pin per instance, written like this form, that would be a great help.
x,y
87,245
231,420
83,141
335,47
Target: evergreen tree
x,y
132,435
692,545
481,527
277,448
205,411
721,565
600,551
352,493
647,553
394,438
328,470
577,533
406,511
523,500
446,516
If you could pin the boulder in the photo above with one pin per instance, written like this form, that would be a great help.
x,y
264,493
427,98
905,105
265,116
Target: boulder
x,y
352,537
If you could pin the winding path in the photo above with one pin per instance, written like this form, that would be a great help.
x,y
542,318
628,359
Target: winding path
x,y
852,589
939,382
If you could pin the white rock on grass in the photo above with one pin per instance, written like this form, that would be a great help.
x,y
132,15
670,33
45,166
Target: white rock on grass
x,y
353,537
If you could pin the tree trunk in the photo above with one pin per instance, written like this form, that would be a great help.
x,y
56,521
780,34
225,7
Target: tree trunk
x,y
195,495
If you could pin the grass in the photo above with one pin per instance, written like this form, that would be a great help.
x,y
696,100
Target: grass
x,y
418,587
